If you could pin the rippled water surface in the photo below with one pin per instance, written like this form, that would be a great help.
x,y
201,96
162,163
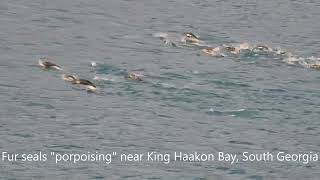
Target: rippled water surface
x,y
188,101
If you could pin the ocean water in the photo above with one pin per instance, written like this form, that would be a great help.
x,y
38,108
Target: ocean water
x,y
188,101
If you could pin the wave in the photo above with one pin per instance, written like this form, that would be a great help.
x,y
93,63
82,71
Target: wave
x,y
243,113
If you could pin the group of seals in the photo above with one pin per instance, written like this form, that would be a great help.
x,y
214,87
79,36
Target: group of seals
x,y
47,64
191,38
220,51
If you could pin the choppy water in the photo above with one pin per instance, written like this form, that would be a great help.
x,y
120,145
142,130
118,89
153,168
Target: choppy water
x,y
188,101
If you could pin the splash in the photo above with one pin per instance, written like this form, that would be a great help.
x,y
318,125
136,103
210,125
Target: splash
x,y
307,62
216,52
160,35
93,63
165,38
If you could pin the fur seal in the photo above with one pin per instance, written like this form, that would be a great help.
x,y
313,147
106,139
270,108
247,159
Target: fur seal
x,y
46,64
75,80
213,51
133,76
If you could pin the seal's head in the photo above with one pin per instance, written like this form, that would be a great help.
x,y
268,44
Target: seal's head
x,y
262,48
70,78
191,38
230,48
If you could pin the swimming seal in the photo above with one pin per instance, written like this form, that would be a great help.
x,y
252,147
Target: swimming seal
x,y
46,64
75,80
315,66
213,51
133,76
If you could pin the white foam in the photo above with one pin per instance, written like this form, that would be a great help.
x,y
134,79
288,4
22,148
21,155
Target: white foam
x,y
195,72
293,60
93,63
160,35
243,46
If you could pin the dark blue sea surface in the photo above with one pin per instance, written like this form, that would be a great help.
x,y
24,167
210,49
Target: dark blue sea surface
x,y
188,101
